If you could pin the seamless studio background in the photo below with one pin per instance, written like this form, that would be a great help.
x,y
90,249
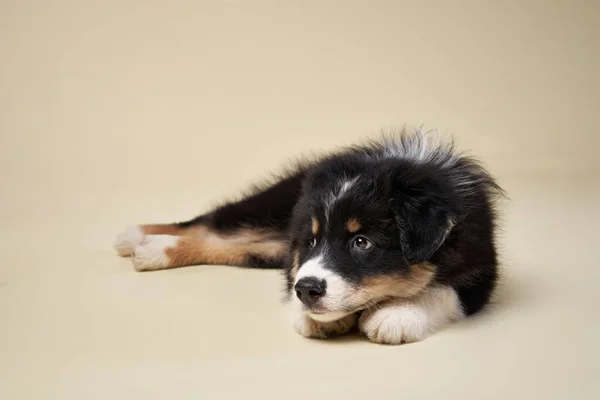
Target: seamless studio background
x,y
114,113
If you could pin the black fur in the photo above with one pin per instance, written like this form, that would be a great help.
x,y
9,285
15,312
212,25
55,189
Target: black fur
x,y
265,208
415,203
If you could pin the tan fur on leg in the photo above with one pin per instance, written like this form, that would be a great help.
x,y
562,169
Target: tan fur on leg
x,y
202,246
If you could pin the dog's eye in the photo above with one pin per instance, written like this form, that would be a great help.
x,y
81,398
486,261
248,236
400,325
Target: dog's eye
x,y
312,241
362,243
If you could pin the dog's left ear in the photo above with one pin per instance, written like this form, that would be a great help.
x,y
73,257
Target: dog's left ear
x,y
424,218
424,225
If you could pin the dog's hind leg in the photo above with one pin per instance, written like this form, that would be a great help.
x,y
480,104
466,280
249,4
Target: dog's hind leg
x,y
133,236
251,232
250,248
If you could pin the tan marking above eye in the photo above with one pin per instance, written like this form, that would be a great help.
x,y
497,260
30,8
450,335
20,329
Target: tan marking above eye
x,y
315,226
353,225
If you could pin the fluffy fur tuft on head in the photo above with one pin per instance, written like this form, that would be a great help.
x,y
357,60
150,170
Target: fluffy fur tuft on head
x,y
465,172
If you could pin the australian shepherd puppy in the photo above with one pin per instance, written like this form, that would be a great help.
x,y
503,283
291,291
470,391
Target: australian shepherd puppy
x,y
394,236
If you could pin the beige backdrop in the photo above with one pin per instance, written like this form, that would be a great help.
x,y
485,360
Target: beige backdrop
x,y
119,112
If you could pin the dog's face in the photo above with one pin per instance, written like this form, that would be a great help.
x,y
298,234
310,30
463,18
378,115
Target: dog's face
x,y
363,233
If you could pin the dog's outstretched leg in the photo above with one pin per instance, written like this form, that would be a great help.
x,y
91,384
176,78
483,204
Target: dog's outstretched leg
x,y
251,232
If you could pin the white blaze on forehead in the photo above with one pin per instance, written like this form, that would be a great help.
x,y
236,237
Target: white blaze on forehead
x,y
335,195
346,186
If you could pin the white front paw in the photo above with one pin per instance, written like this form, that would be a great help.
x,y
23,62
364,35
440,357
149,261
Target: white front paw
x,y
395,324
127,241
308,327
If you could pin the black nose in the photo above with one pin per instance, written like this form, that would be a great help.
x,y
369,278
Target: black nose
x,y
310,290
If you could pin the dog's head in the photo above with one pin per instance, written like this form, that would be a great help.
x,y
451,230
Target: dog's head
x,y
364,230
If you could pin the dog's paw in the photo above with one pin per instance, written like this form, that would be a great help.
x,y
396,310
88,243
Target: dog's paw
x,y
395,324
310,328
127,241
151,255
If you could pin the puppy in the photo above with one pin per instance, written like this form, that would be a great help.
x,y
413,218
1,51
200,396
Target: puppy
x,y
394,236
